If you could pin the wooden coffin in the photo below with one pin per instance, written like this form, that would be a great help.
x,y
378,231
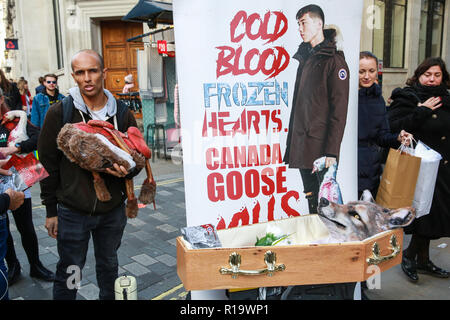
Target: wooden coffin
x,y
250,267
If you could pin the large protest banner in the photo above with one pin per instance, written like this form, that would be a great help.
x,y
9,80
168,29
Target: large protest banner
x,y
245,101
237,64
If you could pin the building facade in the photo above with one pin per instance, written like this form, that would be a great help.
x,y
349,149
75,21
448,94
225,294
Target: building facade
x,y
49,32
400,32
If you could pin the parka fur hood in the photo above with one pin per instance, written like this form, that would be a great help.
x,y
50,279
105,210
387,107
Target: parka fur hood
x,y
334,42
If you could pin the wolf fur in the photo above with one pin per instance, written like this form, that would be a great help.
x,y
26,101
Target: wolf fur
x,y
88,150
358,220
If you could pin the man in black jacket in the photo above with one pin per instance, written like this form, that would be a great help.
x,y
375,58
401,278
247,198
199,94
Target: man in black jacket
x,y
73,211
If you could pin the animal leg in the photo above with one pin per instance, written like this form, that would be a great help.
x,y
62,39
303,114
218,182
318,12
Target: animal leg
x,y
100,188
148,189
132,204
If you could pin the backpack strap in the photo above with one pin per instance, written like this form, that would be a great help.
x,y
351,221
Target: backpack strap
x,y
121,114
67,108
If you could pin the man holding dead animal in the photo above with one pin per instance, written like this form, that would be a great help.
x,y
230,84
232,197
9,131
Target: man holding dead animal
x,y
319,106
73,210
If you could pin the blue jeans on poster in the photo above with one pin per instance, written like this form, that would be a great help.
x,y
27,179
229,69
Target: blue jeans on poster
x,y
74,232
3,247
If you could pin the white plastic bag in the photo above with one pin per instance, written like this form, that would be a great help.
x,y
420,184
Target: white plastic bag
x,y
426,181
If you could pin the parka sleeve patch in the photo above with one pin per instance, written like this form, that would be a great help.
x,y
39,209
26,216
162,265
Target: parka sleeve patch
x,y
342,74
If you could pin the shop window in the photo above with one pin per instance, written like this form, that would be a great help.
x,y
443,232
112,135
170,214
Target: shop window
x,y
389,32
431,29
58,36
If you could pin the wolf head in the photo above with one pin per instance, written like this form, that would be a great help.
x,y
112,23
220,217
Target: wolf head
x,y
358,220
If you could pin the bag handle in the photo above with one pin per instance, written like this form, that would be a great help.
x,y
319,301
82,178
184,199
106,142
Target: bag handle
x,y
408,149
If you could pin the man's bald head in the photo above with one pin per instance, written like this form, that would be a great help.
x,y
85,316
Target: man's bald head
x,y
90,52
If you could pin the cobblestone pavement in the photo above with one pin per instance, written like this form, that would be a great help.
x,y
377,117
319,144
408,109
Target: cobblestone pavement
x,y
147,252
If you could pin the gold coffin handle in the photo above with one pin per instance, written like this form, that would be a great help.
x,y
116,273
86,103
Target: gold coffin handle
x,y
376,258
270,259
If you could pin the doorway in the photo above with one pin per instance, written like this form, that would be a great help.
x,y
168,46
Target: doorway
x,y
120,56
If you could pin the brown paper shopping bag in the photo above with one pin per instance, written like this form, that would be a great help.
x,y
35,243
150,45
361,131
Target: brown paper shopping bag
x,y
398,182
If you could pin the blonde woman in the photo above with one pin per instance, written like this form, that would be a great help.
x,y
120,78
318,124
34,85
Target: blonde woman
x,y
25,94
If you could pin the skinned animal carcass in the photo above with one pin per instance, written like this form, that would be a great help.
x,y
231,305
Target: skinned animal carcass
x,y
329,188
96,146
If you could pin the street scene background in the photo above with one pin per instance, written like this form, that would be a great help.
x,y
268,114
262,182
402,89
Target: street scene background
x,y
48,32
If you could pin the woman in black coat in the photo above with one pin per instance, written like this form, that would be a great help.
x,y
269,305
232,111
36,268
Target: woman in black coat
x,y
423,108
373,126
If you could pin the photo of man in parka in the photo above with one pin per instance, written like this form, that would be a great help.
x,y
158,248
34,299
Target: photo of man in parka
x,y
320,100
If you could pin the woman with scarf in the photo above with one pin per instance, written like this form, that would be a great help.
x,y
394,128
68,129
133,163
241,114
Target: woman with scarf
x,y
423,108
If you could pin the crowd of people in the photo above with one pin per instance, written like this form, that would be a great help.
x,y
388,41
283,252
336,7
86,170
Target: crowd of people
x,y
419,110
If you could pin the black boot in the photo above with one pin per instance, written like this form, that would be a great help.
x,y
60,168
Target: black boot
x,y
431,269
13,272
37,270
409,268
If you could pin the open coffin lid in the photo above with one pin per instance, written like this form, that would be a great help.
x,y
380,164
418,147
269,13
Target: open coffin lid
x,y
239,264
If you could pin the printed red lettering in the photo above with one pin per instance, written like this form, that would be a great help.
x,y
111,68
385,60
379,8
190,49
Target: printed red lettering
x,y
242,217
228,61
281,179
269,188
212,155
285,203
216,192
234,185
248,23
252,183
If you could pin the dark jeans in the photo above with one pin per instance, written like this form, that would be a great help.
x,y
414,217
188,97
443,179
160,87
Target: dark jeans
x,y
74,231
24,223
3,272
311,185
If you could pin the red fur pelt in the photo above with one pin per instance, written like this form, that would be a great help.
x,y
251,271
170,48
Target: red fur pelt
x,y
91,152
96,146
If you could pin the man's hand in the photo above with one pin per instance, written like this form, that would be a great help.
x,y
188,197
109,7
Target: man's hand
x,y
16,198
9,150
118,171
329,161
51,224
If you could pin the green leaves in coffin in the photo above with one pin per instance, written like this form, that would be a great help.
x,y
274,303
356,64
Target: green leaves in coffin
x,y
270,240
